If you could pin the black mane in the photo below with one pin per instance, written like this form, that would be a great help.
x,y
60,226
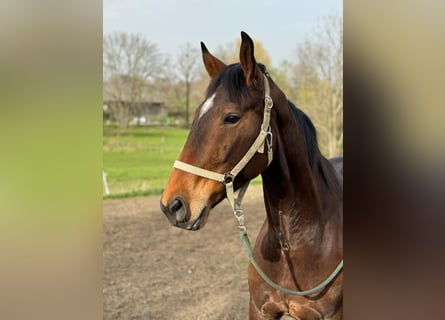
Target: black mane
x,y
316,160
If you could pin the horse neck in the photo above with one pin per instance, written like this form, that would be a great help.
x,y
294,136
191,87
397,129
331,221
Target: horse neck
x,y
306,204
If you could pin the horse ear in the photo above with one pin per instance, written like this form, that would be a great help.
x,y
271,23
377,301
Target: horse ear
x,y
247,58
213,65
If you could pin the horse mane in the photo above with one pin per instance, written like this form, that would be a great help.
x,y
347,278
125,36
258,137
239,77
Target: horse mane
x,y
316,160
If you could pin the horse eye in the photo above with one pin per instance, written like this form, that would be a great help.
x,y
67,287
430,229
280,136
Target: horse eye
x,y
231,118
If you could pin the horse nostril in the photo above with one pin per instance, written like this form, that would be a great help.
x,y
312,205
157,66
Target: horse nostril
x,y
175,205
178,209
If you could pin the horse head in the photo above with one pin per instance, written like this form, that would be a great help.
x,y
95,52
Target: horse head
x,y
225,125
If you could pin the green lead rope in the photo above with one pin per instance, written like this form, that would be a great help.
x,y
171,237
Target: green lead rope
x,y
318,288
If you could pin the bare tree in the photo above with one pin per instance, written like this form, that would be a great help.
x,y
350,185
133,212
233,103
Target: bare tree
x,y
187,68
229,53
319,77
130,64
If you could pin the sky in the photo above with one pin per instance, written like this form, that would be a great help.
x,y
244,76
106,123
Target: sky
x,y
281,25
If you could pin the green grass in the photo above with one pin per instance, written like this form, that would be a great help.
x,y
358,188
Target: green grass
x,y
138,161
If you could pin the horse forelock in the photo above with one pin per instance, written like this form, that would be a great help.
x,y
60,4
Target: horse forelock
x,y
232,80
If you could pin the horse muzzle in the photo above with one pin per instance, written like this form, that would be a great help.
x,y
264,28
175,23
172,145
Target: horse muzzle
x,y
178,213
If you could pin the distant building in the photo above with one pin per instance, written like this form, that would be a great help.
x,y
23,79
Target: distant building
x,y
142,113
146,110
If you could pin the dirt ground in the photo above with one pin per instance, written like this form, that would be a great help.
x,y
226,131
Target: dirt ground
x,y
155,271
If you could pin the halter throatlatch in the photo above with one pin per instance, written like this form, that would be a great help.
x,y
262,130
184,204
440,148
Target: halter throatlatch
x,y
264,139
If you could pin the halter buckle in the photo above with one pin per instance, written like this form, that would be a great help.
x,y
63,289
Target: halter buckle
x,y
268,102
239,216
269,143
269,138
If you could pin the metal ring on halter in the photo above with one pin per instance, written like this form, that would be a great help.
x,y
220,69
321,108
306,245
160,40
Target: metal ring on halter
x,y
228,177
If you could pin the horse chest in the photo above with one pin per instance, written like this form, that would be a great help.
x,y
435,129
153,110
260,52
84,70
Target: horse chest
x,y
274,307
271,304
277,308
297,308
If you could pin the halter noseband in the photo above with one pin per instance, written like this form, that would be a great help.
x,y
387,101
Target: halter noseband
x,y
264,136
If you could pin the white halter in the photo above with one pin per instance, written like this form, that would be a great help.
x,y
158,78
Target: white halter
x,y
228,177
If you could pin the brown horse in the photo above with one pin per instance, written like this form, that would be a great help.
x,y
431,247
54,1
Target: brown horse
x,y
246,127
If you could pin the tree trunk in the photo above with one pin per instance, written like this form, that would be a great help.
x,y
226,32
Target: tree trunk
x,y
187,102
